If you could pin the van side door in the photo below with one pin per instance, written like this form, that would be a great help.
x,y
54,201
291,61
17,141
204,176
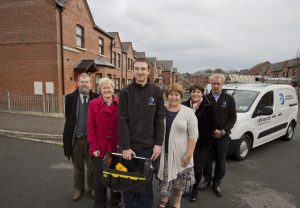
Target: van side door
x,y
265,121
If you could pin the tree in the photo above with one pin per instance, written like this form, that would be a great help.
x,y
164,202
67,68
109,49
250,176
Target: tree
x,y
219,71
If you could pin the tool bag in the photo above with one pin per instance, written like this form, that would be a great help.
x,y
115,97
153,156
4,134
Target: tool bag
x,y
139,171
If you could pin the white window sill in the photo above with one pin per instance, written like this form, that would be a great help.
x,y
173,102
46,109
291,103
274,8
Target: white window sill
x,y
82,49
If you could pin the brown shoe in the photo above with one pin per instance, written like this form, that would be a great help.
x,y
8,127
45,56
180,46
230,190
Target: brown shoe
x,y
92,193
76,195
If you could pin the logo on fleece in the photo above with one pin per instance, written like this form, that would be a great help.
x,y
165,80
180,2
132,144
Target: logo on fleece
x,y
151,101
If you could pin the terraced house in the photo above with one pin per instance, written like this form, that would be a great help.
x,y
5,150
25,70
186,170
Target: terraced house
x,y
45,44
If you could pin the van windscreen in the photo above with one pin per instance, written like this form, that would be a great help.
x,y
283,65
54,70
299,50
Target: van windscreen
x,y
243,99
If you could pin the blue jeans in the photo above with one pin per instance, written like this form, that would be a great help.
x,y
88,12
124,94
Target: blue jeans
x,y
143,199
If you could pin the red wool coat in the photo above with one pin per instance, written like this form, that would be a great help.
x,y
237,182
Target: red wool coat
x,y
103,126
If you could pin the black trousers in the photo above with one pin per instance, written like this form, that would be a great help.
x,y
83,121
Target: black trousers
x,y
200,157
218,151
100,190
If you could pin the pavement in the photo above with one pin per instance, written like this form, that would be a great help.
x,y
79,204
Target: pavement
x,y
32,127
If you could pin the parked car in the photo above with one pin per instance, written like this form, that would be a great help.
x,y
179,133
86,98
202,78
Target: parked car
x,y
264,112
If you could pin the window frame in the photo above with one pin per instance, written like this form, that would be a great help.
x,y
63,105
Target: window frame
x,y
80,36
101,46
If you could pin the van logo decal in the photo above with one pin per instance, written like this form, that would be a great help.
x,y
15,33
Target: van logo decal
x,y
281,98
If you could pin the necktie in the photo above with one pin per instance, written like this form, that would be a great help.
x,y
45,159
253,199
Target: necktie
x,y
84,102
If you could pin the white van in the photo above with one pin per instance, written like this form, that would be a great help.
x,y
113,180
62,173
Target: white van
x,y
264,112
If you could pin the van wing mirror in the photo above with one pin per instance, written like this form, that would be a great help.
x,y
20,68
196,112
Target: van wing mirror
x,y
265,111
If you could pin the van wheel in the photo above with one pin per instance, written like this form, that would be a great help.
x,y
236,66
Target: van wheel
x,y
243,148
289,132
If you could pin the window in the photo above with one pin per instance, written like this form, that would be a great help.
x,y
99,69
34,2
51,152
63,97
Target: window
x,y
98,77
128,64
101,46
266,100
79,36
129,81
243,99
117,82
118,61
114,59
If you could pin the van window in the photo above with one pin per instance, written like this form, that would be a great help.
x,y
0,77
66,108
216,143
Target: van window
x,y
243,99
266,100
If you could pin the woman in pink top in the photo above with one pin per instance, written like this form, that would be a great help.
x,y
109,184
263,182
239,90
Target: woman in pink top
x,y
102,132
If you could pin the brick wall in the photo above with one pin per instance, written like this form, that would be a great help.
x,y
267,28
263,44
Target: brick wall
x,y
28,45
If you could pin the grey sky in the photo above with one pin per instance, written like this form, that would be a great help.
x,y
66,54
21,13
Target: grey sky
x,y
201,34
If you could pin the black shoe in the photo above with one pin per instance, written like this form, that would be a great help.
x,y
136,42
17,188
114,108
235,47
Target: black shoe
x,y
194,194
204,185
218,191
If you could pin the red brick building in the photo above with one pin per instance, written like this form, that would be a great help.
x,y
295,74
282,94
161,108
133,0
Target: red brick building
x,y
200,78
167,71
155,71
39,49
260,69
128,59
287,69
45,44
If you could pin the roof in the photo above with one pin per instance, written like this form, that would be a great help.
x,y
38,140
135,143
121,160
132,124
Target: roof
x,y
278,66
100,61
103,31
139,54
167,65
294,62
87,66
125,46
60,2
113,34
152,60
257,69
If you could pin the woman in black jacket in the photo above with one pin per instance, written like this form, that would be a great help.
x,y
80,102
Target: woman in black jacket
x,y
205,114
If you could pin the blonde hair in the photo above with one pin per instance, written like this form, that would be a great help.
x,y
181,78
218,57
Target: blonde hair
x,y
175,87
106,81
218,76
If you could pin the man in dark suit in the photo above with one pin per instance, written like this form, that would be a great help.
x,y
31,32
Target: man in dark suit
x,y
226,118
75,135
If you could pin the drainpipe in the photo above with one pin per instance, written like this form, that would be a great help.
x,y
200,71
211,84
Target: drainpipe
x,y
126,77
62,52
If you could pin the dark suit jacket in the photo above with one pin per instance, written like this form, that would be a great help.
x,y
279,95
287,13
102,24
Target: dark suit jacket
x,y
71,114
206,122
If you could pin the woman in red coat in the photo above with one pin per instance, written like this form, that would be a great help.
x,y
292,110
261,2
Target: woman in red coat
x,y
102,132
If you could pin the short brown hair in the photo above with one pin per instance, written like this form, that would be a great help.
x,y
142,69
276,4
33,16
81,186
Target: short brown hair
x,y
217,76
175,87
197,86
142,59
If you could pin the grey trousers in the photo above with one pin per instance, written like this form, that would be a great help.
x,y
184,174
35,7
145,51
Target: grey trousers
x,y
80,154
